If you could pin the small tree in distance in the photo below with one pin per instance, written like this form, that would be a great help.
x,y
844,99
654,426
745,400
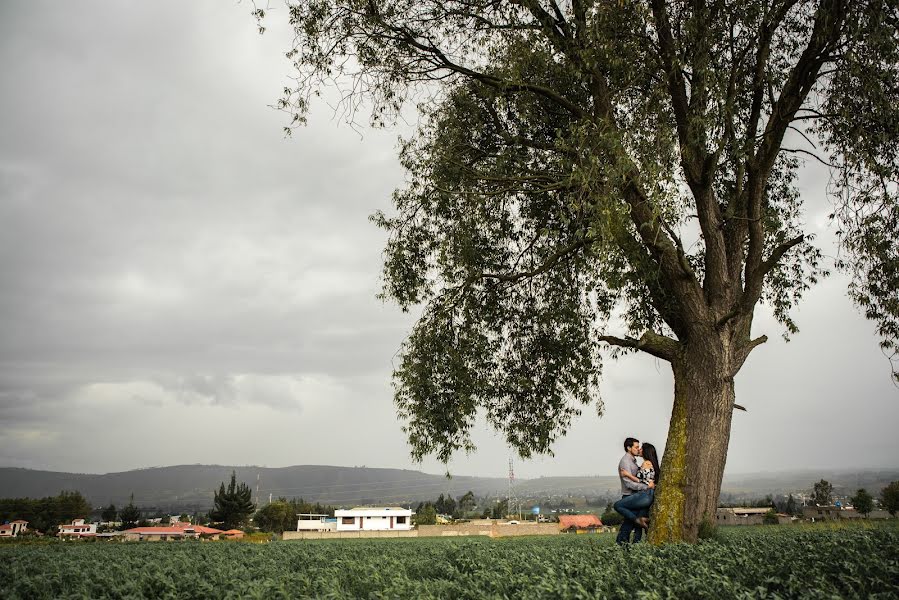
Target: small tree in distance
x,y
467,502
130,514
232,506
823,493
425,514
889,497
610,517
109,513
791,507
863,502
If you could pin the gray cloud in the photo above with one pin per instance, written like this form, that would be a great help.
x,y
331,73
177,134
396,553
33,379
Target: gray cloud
x,y
169,260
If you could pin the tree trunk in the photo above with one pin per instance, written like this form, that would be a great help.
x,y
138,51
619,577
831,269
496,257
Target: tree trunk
x,y
698,437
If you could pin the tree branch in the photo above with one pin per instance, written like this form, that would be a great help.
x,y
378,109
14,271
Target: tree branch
x,y
650,342
543,267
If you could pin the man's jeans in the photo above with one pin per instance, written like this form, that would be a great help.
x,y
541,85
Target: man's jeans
x,y
631,508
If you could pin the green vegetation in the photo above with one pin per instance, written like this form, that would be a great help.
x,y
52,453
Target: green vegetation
x,y
45,514
130,514
747,562
281,515
863,502
233,506
822,493
889,497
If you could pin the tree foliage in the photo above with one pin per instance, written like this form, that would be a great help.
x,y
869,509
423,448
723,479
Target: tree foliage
x,y
45,514
109,513
425,514
500,509
578,161
889,498
611,517
822,493
791,508
234,505
467,502
130,515
281,515
863,502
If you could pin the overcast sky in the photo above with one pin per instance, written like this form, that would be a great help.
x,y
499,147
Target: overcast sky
x,y
182,284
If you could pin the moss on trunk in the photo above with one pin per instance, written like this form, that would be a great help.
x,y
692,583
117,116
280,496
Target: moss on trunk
x,y
668,510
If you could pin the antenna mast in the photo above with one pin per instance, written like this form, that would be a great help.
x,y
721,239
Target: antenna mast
x,y
511,482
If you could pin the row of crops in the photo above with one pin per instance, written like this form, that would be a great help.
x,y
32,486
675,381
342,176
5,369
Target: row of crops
x,y
773,562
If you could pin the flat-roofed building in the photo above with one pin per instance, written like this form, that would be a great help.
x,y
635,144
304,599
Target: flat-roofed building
x,y
315,522
381,518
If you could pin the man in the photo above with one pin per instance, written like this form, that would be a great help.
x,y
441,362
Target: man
x,y
627,473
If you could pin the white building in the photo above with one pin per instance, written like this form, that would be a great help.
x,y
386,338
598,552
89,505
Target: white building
x,y
315,522
374,519
78,528
13,528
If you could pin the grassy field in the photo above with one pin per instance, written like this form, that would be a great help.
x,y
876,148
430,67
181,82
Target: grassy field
x,y
856,561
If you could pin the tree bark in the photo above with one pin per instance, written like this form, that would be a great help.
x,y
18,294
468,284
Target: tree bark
x,y
698,437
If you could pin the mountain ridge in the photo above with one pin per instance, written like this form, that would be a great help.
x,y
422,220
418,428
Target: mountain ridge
x,y
193,486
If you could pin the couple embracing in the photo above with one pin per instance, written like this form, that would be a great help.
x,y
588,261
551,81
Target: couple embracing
x,y
639,472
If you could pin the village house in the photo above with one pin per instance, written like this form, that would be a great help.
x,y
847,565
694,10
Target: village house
x,y
579,523
233,534
175,531
824,513
833,513
748,516
374,519
13,528
315,522
78,528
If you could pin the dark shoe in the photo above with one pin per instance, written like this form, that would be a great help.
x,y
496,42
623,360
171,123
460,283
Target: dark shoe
x,y
643,522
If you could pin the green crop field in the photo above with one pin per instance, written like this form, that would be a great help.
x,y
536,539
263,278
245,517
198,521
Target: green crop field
x,y
764,562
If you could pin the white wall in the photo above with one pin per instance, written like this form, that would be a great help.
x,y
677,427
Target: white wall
x,y
375,523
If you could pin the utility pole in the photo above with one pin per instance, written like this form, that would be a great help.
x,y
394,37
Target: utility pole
x,y
257,489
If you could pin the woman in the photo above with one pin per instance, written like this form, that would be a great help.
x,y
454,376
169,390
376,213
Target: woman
x,y
636,506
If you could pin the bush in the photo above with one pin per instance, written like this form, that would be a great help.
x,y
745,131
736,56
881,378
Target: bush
x,y
708,529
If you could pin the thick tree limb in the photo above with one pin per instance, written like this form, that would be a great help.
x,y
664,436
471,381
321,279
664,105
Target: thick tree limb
x,y
743,353
650,342
829,19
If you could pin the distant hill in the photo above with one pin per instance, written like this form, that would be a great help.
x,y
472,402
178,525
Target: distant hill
x,y
186,486
191,487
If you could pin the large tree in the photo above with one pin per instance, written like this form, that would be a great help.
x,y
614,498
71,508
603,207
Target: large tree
x,y
606,177
232,506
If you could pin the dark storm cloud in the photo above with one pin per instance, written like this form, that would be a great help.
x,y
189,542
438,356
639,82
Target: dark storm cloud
x,y
169,258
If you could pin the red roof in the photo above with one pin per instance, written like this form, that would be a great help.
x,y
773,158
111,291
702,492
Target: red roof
x,y
232,532
197,528
579,521
156,530
174,530
19,521
6,526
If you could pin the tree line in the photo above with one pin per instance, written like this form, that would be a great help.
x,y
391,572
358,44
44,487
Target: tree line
x,y
45,514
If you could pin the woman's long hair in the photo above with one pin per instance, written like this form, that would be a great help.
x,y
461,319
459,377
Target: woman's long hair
x,y
649,453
